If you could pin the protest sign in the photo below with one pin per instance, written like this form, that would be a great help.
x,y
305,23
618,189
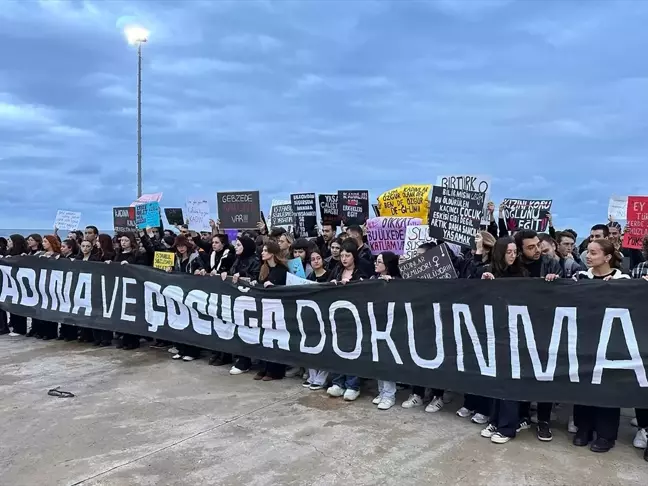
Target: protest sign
x,y
433,264
477,183
232,234
455,214
415,236
618,208
527,214
411,200
281,214
198,214
163,260
376,210
388,234
304,214
174,216
637,222
67,220
295,280
296,267
329,210
239,210
353,206
147,215
124,220
144,198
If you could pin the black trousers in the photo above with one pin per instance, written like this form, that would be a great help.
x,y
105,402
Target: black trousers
x,y
85,334
420,391
243,363
603,421
544,411
478,404
130,341
101,336
68,332
4,326
642,417
275,370
505,415
186,350
46,329
19,324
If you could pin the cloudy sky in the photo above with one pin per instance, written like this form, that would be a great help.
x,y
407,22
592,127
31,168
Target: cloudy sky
x,y
549,98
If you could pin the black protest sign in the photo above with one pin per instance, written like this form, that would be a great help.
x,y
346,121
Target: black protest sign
x,y
375,210
305,214
329,212
239,210
527,213
455,214
124,219
174,216
353,206
435,263
510,338
281,215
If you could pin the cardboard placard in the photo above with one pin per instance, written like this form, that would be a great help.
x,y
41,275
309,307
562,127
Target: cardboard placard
x,y
174,216
296,267
281,214
433,264
455,214
147,215
476,183
415,236
618,208
239,210
124,220
353,206
67,220
163,260
527,214
411,200
376,210
304,213
637,222
295,280
197,214
144,198
388,234
329,210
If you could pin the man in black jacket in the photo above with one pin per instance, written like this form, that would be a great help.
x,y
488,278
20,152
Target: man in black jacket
x,y
325,239
366,259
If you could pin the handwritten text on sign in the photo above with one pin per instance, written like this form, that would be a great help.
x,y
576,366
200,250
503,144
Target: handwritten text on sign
x,y
410,200
198,214
415,236
455,214
527,213
239,210
67,220
388,234
433,264
637,222
163,260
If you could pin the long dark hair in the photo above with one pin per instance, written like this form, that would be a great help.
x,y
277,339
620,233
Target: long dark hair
x,y
106,247
390,260
38,239
18,245
608,248
273,248
499,267
72,245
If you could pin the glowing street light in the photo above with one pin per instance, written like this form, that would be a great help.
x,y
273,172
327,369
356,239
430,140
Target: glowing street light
x,y
137,36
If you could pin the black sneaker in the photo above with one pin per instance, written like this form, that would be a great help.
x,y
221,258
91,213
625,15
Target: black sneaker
x,y
602,445
582,438
543,432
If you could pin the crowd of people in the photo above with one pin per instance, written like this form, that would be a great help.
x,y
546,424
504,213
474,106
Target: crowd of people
x,y
338,257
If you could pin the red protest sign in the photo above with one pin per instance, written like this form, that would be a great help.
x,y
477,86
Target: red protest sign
x,y
637,222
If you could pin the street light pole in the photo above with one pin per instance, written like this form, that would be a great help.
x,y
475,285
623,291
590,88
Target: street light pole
x,y
139,119
138,35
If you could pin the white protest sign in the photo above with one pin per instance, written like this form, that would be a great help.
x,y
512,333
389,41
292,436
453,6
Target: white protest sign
x,y
477,183
295,280
197,214
415,236
67,220
146,198
618,208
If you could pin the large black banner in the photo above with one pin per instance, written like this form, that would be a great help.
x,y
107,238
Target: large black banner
x,y
521,339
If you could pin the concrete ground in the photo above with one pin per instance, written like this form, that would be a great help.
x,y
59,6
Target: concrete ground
x,y
140,418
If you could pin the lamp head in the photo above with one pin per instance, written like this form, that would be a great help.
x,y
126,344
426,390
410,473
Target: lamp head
x,y
136,34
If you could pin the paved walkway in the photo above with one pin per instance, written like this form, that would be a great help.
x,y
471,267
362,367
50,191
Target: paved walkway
x,y
140,418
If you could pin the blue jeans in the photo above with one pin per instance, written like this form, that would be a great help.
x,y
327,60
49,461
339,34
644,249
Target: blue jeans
x,y
347,382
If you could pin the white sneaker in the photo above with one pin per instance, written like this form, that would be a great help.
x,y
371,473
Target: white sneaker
x,y
351,395
524,425
335,391
641,439
173,350
571,426
479,419
498,438
377,400
488,431
413,401
634,422
236,371
176,356
13,334
292,372
447,397
435,405
386,403
188,358
463,412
